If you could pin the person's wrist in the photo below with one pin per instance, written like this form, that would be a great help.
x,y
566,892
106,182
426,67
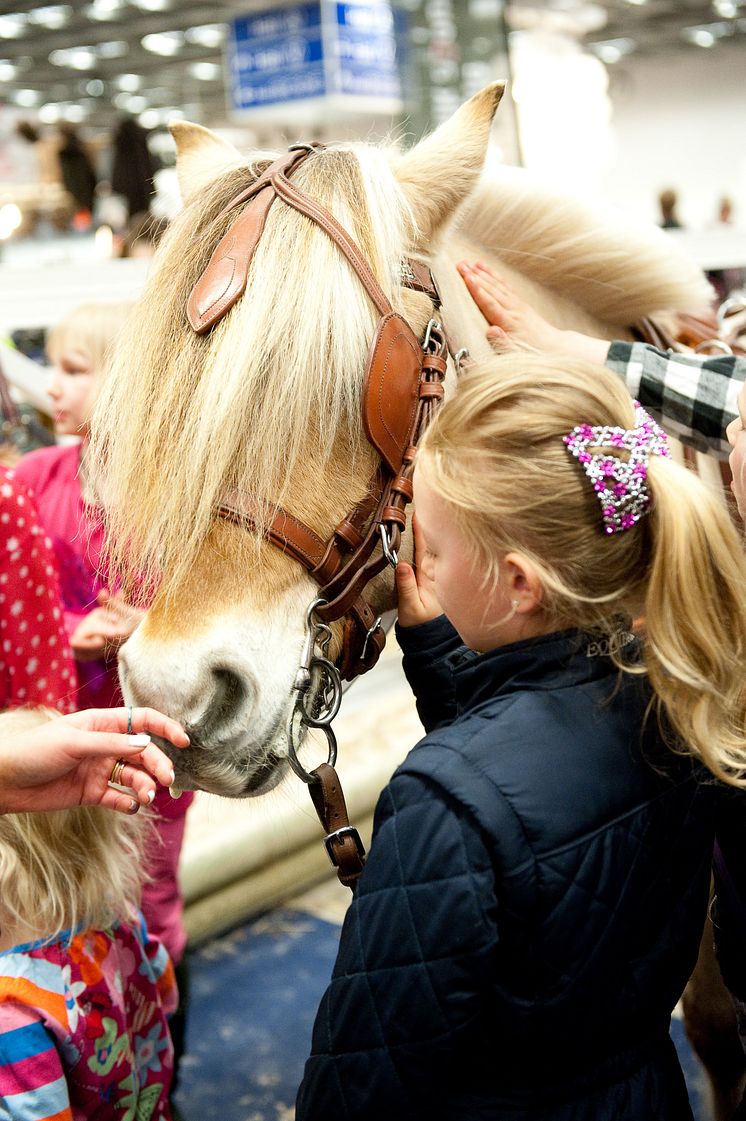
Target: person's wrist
x,y
577,345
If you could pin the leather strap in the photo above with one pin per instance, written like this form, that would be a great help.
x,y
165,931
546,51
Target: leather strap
x,y
346,850
224,280
294,197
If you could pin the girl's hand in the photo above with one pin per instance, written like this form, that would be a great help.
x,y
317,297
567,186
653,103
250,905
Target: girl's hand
x,y
69,760
415,587
105,628
513,322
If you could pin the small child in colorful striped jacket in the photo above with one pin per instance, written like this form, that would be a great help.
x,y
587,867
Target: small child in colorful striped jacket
x,y
84,991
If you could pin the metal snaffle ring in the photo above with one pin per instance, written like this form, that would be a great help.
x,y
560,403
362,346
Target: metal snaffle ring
x,y
293,759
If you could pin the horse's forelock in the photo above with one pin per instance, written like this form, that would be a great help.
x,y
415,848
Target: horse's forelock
x,y
183,417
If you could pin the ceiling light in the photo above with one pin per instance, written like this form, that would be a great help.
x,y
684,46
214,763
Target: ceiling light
x,y
206,35
95,87
13,25
49,113
728,9
699,36
612,50
637,3
156,118
205,71
707,34
131,102
113,49
128,82
7,70
163,42
77,58
103,9
26,98
151,118
52,16
73,112
151,5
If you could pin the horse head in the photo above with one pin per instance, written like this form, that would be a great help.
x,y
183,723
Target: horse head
x,y
267,405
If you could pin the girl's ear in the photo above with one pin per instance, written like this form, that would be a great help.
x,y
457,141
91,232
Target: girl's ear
x,y
523,583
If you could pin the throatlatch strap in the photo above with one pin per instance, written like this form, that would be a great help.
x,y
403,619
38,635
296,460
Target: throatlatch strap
x,y
346,850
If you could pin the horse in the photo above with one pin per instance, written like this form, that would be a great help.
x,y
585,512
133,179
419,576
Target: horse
x,y
268,402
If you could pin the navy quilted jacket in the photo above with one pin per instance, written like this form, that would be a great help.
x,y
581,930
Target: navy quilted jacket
x,y
532,903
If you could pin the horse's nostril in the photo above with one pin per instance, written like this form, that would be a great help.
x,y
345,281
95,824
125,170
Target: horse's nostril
x,y
229,698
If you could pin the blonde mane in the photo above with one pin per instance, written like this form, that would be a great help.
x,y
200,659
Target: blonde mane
x,y
588,254
276,382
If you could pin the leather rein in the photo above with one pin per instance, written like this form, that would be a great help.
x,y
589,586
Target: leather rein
x,y
402,389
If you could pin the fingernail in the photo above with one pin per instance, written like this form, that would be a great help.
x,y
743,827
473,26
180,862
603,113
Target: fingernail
x,y
151,795
134,807
141,739
171,780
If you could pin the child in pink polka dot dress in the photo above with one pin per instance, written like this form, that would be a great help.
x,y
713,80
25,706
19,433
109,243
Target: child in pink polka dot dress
x,y
36,664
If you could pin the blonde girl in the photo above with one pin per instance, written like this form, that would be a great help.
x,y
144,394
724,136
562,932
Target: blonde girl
x,y
538,879
84,991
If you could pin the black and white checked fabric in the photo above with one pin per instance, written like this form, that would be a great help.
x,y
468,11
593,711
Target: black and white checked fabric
x,y
692,396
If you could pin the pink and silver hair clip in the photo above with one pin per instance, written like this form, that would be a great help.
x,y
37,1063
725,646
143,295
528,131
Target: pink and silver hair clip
x,y
620,484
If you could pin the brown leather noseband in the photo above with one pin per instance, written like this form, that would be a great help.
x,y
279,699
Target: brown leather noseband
x,y
403,387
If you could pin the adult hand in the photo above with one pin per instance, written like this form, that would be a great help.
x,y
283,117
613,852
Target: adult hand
x,y
515,324
415,587
68,761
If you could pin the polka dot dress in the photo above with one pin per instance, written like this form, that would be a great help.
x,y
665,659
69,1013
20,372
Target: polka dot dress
x,y
36,665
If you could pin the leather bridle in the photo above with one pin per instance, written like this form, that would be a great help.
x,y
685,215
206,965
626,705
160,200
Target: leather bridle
x,y
402,389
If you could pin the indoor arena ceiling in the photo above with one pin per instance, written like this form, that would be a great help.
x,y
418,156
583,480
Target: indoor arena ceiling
x,y
94,60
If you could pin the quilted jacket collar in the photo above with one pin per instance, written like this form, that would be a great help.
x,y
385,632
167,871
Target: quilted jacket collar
x,y
553,661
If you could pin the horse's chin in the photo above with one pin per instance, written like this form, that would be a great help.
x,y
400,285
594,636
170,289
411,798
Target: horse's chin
x,y
196,769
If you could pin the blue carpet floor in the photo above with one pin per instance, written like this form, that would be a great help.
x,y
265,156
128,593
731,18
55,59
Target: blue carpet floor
x,y
254,994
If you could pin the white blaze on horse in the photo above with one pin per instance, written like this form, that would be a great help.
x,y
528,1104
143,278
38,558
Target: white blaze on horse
x,y
266,402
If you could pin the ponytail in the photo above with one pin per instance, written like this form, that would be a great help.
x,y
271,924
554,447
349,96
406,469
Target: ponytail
x,y
695,620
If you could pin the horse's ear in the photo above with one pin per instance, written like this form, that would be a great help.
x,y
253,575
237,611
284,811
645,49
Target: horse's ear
x,y
442,169
200,156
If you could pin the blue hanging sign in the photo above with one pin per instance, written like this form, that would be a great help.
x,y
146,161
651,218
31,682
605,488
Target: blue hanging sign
x,y
338,50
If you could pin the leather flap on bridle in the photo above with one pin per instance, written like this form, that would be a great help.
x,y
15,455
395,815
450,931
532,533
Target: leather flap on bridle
x,y
391,389
224,280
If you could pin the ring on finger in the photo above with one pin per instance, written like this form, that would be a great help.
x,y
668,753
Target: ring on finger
x,y
115,778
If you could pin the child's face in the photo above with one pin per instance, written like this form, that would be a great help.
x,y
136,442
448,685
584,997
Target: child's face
x,y
480,611
71,390
736,433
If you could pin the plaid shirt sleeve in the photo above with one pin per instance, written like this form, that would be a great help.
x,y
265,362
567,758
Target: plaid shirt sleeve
x,y
692,396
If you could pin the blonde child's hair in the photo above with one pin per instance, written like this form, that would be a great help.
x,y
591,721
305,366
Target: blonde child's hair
x,y
67,869
91,329
495,455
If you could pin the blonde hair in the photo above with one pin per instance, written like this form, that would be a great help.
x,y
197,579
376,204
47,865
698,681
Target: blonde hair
x,y
495,455
67,869
91,329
